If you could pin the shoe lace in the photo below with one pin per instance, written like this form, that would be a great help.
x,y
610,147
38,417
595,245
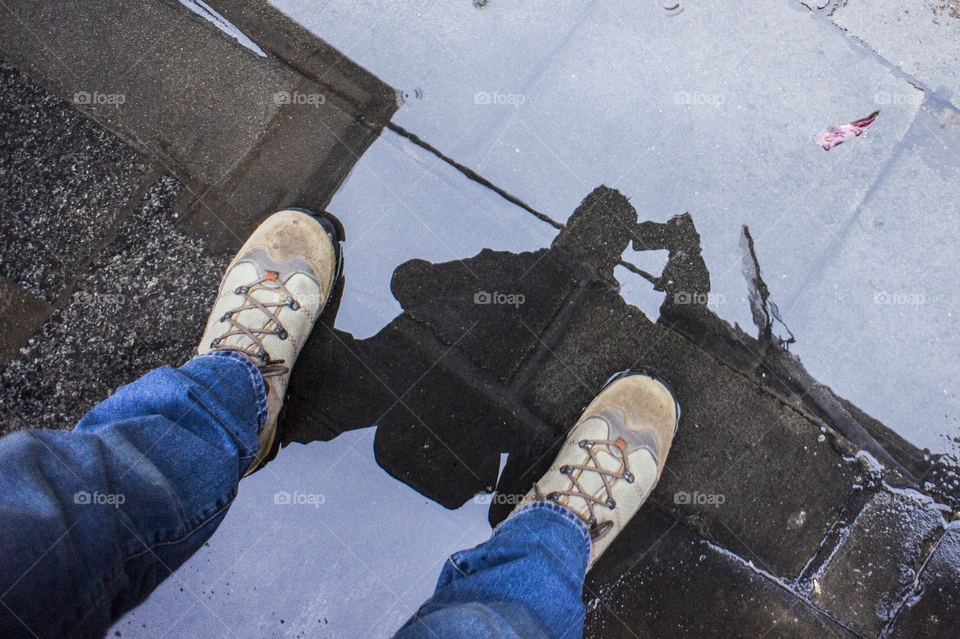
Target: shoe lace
x,y
614,448
256,350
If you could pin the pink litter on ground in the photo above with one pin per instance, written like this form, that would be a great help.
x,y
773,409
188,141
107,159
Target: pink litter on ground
x,y
834,135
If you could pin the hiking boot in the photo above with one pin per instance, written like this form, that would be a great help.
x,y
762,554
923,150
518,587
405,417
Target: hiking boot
x,y
613,456
270,298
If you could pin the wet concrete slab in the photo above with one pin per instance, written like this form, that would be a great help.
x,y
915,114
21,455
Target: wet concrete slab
x,y
599,83
680,585
866,579
933,609
921,38
458,379
604,102
265,131
877,319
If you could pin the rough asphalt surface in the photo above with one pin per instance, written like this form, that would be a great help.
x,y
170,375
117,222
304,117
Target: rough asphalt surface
x,y
131,292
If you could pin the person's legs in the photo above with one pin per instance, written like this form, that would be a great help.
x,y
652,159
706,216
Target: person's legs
x,y
527,580
92,520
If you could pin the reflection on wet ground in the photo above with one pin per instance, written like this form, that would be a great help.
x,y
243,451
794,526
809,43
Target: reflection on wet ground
x,y
498,353
451,381
481,307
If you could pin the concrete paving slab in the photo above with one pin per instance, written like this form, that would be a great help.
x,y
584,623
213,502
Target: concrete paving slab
x,y
920,38
347,82
143,72
148,69
681,582
299,161
878,319
934,609
619,70
864,582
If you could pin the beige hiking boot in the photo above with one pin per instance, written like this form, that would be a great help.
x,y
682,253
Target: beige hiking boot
x,y
613,456
270,298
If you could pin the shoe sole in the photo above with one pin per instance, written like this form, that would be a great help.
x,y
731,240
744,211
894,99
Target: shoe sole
x,y
647,371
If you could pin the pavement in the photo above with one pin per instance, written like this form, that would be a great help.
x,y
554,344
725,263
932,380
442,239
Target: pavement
x,y
803,309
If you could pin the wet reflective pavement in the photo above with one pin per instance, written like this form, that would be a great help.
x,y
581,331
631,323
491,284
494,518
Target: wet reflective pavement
x,y
800,302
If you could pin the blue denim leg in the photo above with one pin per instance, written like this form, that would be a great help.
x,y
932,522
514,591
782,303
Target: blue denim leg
x,y
526,581
92,520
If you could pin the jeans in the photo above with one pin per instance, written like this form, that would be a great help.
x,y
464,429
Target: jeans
x,y
91,521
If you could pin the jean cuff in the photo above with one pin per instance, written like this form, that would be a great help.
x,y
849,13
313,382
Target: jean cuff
x,y
566,516
256,381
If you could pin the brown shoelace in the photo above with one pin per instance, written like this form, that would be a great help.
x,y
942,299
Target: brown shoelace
x,y
268,367
592,464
